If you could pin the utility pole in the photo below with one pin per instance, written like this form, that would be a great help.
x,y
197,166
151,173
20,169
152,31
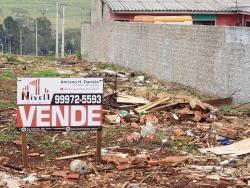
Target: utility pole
x,y
36,40
63,12
21,43
10,44
57,20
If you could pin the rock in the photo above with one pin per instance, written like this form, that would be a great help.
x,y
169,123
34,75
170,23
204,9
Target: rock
x,y
142,92
73,176
149,118
178,133
246,132
135,125
60,173
113,119
197,116
133,137
79,166
228,133
213,177
149,139
30,178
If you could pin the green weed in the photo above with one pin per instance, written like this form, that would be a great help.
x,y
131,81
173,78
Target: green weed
x,y
11,58
103,66
43,73
233,110
4,106
7,74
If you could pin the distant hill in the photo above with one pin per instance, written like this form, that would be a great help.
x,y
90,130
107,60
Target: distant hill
x,y
36,8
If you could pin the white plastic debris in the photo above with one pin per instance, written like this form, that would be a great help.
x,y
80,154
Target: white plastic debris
x,y
79,166
189,133
148,129
10,181
175,117
30,178
164,141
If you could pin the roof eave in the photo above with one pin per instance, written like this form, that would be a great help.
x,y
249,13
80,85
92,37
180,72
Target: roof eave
x,y
173,12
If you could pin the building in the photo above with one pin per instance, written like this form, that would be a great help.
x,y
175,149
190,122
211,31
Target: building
x,y
203,12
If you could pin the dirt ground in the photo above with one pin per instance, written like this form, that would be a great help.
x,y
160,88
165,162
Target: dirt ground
x,y
167,156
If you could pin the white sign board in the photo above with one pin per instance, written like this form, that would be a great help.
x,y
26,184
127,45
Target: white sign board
x,y
59,104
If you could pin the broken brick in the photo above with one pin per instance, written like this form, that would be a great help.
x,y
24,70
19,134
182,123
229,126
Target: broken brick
x,y
178,132
227,132
73,176
61,173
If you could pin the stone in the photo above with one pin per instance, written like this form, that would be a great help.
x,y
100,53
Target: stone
x,y
178,133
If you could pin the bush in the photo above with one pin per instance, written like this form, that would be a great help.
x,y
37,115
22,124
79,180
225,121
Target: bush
x,y
11,58
78,54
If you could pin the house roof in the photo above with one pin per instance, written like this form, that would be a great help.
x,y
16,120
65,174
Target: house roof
x,y
178,5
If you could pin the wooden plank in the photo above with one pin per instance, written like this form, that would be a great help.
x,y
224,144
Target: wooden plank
x,y
98,146
151,105
24,150
127,99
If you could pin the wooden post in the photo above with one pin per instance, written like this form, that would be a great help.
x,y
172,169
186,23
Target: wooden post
x,y
98,146
24,150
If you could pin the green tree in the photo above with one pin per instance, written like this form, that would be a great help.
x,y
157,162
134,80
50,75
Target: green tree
x,y
12,33
2,36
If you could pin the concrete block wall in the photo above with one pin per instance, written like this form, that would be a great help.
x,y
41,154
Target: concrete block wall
x,y
211,59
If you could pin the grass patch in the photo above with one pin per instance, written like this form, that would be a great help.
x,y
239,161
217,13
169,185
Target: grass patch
x,y
43,73
109,131
7,74
160,136
103,66
11,58
229,110
176,146
10,134
4,106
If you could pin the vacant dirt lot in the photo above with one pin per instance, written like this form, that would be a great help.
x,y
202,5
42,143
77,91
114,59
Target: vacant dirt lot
x,y
152,145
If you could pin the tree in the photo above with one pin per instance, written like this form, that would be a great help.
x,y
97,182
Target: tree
x,y
2,36
12,33
44,27
72,38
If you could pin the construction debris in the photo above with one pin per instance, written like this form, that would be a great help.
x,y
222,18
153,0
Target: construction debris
x,y
155,134
239,148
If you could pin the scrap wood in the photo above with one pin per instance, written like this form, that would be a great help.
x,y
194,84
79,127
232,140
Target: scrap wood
x,y
75,156
115,159
125,167
194,103
15,167
164,106
239,148
128,99
94,168
151,105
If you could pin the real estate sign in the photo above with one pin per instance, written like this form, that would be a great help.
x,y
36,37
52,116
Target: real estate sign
x,y
59,104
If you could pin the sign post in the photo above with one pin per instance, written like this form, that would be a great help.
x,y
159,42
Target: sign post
x,y
98,146
59,104
24,150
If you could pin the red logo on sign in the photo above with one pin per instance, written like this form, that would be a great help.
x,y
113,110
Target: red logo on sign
x,y
33,91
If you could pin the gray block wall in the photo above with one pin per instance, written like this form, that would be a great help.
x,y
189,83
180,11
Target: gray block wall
x,y
211,59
